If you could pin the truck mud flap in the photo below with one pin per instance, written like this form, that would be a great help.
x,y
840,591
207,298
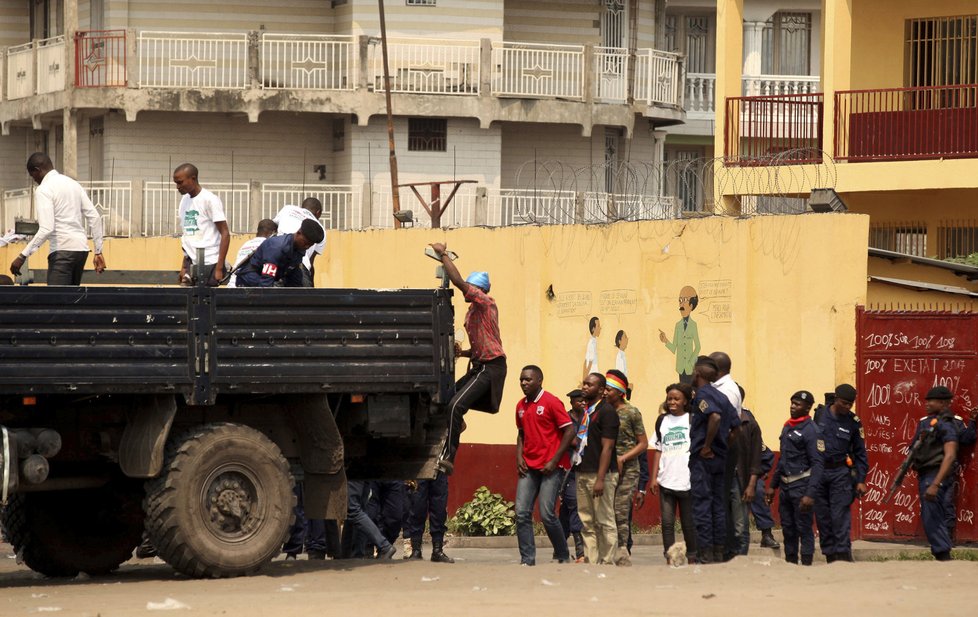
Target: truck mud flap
x,y
141,449
321,455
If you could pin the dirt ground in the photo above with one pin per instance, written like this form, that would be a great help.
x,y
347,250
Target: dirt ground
x,y
490,582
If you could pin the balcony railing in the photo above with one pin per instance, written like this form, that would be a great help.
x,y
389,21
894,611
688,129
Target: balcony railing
x,y
700,94
100,59
20,71
193,60
773,130
308,62
533,70
906,123
342,203
16,205
779,85
658,77
113,200
428,66
50,65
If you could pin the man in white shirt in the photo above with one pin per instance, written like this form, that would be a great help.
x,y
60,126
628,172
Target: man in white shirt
x,y
290,218
204,227
725,382
62,208
266,229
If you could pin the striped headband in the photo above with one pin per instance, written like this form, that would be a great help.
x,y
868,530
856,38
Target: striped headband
x,y
615,382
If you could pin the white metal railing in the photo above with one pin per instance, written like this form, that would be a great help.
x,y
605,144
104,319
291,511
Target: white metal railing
x,y
529,206
342,203
193,60
768,85
308,62
16,205
113,200
161,205
532,70
600,207
611,74
428,66
20,71
657,77
51,60
700,99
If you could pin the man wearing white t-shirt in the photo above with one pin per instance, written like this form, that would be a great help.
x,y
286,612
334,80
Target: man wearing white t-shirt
x,y
290,218
204,227
266,229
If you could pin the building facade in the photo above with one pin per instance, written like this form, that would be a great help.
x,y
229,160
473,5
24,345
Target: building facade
x,y
540,105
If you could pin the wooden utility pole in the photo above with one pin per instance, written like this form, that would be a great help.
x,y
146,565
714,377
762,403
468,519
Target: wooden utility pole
x,y
395,196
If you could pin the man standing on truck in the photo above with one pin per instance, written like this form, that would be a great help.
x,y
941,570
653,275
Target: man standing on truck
x,y
278,259
204,227
289,218
62,208
482,385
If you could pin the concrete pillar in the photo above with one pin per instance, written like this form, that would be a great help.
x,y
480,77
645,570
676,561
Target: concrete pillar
x,y
71,26
132,59
753,43
363,79
254,59
589,84
481,215
70,152
3,75
836,61
254,204
659,139
366,205
485,67
136,208
729,56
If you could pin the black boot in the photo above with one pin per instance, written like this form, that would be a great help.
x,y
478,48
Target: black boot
x,y
415,550
831,558
437,554
943,556
767,539
806,560
578,545
145,550
719,555
791,559
847,556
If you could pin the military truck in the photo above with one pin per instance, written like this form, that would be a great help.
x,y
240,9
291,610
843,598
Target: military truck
x,y
185,410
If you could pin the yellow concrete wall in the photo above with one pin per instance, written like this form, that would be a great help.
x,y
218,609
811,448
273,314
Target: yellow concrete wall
x,y
770,295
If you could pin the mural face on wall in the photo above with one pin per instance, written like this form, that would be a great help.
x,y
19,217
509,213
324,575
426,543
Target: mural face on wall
x,y
621,342
685,341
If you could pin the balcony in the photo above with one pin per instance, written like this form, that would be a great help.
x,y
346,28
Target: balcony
x,y
773,130
701,90
472,75
902,124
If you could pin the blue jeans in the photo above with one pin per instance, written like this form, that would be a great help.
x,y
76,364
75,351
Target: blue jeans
x,y
570,520
528,488
738,527
358,520
760,509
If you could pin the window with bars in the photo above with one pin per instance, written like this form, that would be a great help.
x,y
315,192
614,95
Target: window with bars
x,y
695,37
786,44
941,51
427,134
957,239
909,238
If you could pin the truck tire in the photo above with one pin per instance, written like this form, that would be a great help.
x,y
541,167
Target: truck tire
x,y
224,503
62,533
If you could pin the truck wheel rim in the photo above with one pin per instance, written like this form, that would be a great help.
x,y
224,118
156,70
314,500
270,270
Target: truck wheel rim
x,y
232,503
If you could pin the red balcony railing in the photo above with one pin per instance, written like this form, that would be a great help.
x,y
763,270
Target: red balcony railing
x,y
100,58
773,130
906,123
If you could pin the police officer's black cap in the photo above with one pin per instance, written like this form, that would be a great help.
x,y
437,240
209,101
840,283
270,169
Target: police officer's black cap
x,y
939,393
312,230
846,392
577,393
707,361
804,396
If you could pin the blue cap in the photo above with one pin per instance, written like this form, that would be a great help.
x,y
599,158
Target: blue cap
x,y
479,279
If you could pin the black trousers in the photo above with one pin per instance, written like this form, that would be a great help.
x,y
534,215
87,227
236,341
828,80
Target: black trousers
x,y
475,386
66,267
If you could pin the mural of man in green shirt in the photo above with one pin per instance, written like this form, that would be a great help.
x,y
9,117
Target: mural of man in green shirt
x,y
685,341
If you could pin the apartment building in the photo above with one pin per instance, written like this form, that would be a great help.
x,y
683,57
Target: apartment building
x,y
546,108
893,129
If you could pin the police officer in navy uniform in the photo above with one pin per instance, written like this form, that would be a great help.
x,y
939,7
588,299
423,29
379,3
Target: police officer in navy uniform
x,y
845,463
798,474
934,463
278,260
709,429
967,434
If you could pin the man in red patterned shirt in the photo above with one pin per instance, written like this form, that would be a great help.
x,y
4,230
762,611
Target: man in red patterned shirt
x,y
481,387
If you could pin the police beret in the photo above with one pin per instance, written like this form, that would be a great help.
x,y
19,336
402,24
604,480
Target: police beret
x,y
846,392
939,393
804,396
578,393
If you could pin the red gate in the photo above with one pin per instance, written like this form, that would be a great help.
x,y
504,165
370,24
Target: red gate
x,y
899,356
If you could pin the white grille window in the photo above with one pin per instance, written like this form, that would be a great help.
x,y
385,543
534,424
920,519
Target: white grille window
x,y
786,46
421,2
695,37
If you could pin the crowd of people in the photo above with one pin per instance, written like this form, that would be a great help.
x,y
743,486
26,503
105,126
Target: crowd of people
x,y
587,464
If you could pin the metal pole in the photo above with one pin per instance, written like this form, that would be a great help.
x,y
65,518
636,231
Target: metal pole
x,y
395,196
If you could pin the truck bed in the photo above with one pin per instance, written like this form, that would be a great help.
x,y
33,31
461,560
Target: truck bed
x,y
202,342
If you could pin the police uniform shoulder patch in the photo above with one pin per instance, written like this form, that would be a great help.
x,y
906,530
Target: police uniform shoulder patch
x,y
856,419
820,445
704,405
861,434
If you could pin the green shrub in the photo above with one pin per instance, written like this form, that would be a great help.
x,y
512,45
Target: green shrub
x,y
488,514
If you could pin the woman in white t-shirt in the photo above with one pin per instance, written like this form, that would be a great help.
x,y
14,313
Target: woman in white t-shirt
x,y
670,467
